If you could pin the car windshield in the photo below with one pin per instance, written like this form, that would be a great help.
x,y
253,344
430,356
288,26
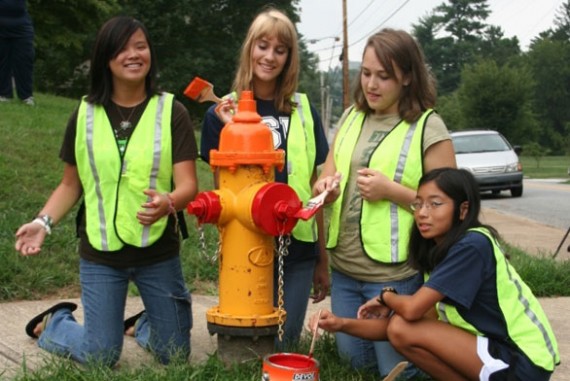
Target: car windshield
x,y
479,143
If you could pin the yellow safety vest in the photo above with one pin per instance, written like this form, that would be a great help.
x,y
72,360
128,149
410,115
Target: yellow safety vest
x,y
527,325
113,186
384,225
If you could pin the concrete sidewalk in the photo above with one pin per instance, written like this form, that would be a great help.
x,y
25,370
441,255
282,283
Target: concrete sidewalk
x,y
16,348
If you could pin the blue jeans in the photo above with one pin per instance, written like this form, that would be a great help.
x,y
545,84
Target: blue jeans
x,y
297,284
347,294
104,291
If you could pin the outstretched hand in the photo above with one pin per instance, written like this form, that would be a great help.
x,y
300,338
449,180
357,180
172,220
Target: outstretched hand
x,y
29,238
326,320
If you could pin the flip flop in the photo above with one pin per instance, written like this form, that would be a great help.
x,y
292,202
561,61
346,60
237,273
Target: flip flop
x,y
40,317
130,322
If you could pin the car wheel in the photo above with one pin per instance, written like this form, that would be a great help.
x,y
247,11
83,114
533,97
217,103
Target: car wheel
x,y
517,191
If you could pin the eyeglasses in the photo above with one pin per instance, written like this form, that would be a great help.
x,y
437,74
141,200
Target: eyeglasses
x,y
429,205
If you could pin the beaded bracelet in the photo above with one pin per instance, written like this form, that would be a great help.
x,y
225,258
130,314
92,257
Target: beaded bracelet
x,y
171,208
46,222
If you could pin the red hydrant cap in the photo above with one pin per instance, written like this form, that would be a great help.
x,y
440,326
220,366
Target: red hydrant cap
x,y
273,208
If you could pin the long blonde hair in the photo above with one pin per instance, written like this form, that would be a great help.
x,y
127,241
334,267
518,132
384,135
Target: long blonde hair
x,y
271,23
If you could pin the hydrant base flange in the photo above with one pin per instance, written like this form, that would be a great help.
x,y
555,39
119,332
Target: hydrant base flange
x,y
214,316
223,330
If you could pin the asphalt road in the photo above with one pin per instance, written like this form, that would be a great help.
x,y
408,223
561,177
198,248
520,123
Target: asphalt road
x,y
544,201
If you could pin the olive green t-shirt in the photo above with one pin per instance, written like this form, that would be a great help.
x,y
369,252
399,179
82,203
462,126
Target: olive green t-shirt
x,y
348,256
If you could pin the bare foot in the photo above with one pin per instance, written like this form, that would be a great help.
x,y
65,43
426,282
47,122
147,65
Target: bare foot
x,y
39,328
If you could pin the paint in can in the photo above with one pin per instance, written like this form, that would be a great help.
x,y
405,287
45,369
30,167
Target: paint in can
x,y
289,367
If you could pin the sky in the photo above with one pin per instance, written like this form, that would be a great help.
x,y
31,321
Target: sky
x,y
321,20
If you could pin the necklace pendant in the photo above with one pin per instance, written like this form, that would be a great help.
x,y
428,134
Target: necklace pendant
x,y
125,125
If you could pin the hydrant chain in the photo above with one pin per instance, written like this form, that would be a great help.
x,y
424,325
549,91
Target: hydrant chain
x,y
282,252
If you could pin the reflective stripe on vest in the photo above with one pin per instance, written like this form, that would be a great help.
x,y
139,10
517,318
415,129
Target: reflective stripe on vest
x,y
113,186
300,156
301,153
384,226
527,325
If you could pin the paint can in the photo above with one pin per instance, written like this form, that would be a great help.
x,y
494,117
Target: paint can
x,y
289,367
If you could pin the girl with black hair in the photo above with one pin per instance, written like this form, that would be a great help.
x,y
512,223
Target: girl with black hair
x,y
129,153
489,325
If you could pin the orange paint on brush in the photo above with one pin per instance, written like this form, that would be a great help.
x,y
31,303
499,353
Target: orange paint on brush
x,y
201,90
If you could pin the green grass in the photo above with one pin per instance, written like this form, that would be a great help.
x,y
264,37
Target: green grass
x,y
546,167
30,138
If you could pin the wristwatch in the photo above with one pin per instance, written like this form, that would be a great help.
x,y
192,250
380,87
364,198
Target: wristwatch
x,y
384,290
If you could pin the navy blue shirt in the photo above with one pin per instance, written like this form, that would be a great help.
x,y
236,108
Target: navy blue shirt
x,y
279,125
467,278
15,21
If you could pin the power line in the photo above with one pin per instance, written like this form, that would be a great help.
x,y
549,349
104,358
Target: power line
x,y
361,12
382,23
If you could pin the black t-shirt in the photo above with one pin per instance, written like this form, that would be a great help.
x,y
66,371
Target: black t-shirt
x,y
183,148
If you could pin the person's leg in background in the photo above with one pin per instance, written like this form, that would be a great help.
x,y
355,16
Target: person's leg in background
x,y
23,68
6,91
346,297
297,284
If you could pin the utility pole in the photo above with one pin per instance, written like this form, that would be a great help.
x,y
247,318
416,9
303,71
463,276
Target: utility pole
x,y
345,85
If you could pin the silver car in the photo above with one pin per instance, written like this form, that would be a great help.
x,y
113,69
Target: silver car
x,y
491,159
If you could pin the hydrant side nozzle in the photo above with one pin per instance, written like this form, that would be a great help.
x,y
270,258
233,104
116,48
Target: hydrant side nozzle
x,y
206,207
196,208
283,211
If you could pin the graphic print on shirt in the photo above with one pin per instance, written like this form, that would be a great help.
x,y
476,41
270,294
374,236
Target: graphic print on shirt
x,y
367,148
278,129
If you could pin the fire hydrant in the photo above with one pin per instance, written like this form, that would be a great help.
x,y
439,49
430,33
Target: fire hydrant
x,y
250,209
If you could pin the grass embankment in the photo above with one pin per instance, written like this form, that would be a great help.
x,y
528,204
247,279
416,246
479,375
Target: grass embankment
x,y
30,138
548,167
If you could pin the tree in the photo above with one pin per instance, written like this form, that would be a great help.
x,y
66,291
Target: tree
x,y
548,60
191,38
498,98
64,31
561,31
455,34
536,151
463,20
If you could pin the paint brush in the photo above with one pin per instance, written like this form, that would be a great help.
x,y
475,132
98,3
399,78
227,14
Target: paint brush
x,y
395,372
201,91
314,339
314,204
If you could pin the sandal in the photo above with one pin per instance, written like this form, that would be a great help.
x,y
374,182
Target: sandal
x,y
45,316
132,321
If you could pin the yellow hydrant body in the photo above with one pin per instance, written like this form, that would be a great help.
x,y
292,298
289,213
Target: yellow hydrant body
x,y
249,209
